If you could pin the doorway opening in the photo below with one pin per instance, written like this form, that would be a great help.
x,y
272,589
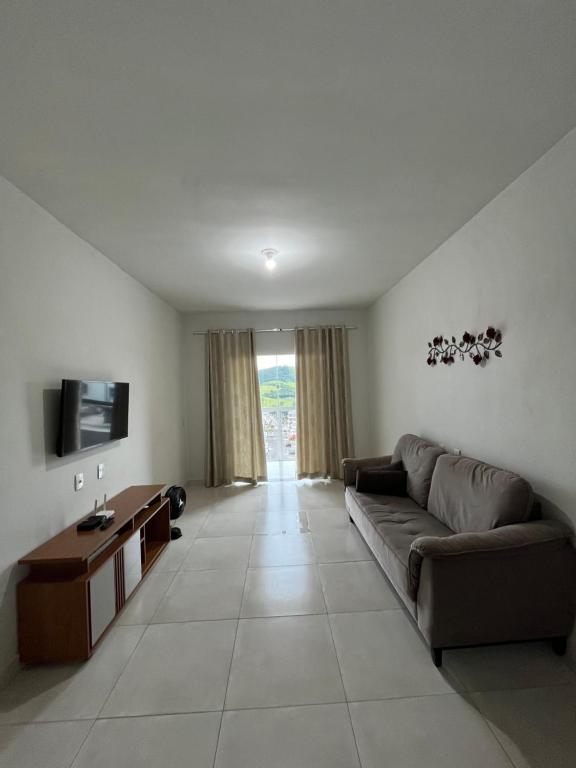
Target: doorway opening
x,y
277,378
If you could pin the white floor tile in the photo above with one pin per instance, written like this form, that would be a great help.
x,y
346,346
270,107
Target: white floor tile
x,y
176,668
42,745
143,603
340,547
320,520
431,731
283,661
284,549
519,665
294,737
357,586
320,496
236,523
71,691
282,591
173,556
537,726
280,522
230,552
248,500
169,741
197,595
190,523
281,502
382,657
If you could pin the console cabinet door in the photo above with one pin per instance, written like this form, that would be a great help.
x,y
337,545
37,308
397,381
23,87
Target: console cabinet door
x,y
102,599
132,564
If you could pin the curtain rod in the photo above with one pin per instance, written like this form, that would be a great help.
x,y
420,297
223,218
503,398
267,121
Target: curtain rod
x,y
277,330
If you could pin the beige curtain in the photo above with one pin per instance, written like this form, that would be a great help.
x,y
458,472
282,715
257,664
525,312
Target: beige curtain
x,y
324,424
235,448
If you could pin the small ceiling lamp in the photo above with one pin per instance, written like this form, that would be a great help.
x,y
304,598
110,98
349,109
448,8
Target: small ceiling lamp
x,y
270,258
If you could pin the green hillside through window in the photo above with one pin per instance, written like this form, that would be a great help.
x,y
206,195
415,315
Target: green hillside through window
x,y
277,386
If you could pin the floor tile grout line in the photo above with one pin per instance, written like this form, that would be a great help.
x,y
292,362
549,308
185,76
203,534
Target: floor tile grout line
x,y
217,742
229,674
337,658
112,689
505,752
354,736
172,580
330,629
109,693
460,694
84,740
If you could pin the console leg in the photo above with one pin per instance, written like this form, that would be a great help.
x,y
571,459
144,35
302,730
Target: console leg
x,y
437,656
559,645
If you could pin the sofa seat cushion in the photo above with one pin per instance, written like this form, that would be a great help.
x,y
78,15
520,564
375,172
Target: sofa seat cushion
x,y
419,459
397,521
400,525
471,497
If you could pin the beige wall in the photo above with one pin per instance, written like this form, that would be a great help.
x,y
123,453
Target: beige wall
x,y
67,312
514,266
270,343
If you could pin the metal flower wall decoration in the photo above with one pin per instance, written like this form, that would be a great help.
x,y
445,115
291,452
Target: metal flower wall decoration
x,y
479,347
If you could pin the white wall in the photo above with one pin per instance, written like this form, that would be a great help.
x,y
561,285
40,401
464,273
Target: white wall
x,y
513,266
67,312
270,343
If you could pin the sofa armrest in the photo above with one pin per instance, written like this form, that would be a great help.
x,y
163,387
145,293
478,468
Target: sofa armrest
x,y
507,541
351,466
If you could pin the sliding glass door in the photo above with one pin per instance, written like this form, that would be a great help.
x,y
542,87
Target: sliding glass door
x,y
277,376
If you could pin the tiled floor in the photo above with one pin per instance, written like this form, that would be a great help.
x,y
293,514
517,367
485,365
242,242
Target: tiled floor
x,y
267,637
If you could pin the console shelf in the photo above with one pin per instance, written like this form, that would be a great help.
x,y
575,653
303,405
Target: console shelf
x,y
79,582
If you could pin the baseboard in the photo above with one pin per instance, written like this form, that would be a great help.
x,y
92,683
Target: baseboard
x,y
9,671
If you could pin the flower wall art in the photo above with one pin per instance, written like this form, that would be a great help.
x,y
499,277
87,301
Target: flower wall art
x,y
479,348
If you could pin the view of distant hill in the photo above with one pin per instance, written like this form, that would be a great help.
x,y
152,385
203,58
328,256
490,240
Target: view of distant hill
x,y
277,386
279,372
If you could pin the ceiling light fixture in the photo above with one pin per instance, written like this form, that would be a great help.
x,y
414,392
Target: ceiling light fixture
x,y
270,258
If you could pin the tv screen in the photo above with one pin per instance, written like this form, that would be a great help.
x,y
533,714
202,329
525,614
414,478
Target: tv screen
x,y
92,413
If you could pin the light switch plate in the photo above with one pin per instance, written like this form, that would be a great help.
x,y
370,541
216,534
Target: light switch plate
x,y
78,481
100,471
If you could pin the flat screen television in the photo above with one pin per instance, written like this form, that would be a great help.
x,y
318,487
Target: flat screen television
x,y
92,413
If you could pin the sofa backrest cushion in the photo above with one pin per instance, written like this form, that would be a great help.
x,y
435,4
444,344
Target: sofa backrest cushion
x,y
387,482
419,459
470,496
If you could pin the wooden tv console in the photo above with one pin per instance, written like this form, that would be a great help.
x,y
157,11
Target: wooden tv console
x,y
79,582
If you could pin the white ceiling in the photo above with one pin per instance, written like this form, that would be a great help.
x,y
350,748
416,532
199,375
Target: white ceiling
x,y
181,137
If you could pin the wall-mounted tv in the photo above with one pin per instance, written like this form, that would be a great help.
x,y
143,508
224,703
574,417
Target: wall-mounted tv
x,y
92,413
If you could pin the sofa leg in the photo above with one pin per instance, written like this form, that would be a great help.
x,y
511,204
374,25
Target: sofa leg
x,y
559,645
437,656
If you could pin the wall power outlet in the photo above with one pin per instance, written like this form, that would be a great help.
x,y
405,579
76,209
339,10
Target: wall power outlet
x,y
100,471
79,481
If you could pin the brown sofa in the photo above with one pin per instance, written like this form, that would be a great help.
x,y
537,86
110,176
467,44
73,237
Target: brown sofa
x,y
465,550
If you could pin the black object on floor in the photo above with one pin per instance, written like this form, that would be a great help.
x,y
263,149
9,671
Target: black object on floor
x,y
177,496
